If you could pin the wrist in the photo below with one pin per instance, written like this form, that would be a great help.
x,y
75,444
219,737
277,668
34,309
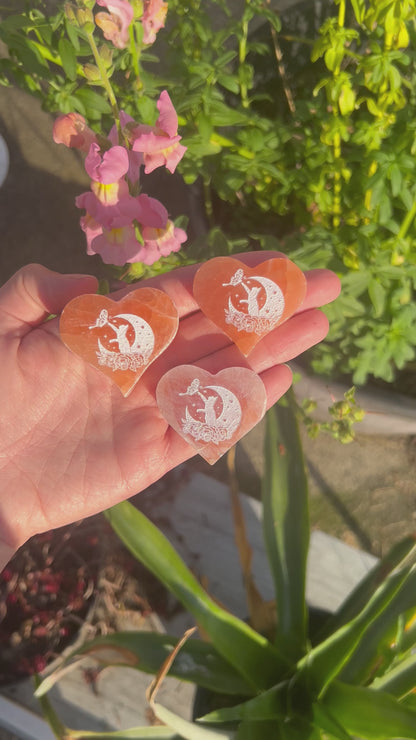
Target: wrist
x,y
14,531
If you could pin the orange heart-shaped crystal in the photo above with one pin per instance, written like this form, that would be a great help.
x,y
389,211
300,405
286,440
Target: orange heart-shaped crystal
x,y
120,338
246,303
211,412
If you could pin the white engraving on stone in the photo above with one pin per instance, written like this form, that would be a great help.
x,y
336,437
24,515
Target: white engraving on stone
x,y
258,315
130,353
220,410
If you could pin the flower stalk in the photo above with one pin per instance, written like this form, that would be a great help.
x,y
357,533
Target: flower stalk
x,y
106,82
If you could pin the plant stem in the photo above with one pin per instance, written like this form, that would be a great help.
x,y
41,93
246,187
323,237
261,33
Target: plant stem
x,y
297,39
106,81
341,14
336,210
406,223
134,54
242,52
282,71
208,199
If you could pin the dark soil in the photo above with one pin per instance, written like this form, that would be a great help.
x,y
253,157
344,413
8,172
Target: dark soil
x,y
61,580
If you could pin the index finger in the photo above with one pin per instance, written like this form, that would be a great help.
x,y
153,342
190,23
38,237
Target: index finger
x,y
323,286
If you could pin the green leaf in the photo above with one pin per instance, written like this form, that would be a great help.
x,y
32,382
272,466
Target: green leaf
x,y
369,714
229,82
250,653
327,659
204,126
365,589
68,58
346,100
197,661
257,731
94,103
396,179
225,58
355,283
378,295
269,705
325,721
359,9
400,681
407,198
190,730
72,34
373,652
286,526
140,733
408,636
222,115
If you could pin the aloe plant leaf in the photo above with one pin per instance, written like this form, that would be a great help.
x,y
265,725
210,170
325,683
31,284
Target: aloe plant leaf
x,y
159,732
269,705
369,714
360,595
374,653
408,636
325,721
257,731
197,661
283,708
326,660
400,681
286,526
249,652
190,730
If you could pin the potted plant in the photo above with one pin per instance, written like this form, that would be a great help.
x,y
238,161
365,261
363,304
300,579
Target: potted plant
x,y
284,673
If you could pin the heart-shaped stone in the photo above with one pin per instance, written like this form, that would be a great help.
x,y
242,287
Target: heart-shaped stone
x,y
246,303
211,412
120,338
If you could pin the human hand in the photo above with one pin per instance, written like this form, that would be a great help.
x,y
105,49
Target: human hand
x,y
70,444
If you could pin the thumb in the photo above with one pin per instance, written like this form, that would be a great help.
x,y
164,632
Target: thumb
x,y
34,292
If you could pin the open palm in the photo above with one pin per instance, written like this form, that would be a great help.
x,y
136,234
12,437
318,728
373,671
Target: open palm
x,y
70,444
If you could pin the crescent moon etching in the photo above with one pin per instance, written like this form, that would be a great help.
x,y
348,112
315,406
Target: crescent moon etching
x,y
264,301
220,410
130,353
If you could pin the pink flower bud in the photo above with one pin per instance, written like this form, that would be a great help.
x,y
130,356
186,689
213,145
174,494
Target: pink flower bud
x,y
115,24
153,19
71,129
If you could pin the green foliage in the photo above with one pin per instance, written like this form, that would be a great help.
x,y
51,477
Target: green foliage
x,y
328,147
355,677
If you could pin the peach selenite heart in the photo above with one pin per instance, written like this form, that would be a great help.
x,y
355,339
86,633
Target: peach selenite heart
x,y
120,338
246,303
211,412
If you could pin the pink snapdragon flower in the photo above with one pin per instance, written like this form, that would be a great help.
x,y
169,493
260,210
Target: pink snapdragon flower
x,y
153,19
160,242
135,158
109,167
72,130
105,211
159,144
112,230
118,224
115,24
116,246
